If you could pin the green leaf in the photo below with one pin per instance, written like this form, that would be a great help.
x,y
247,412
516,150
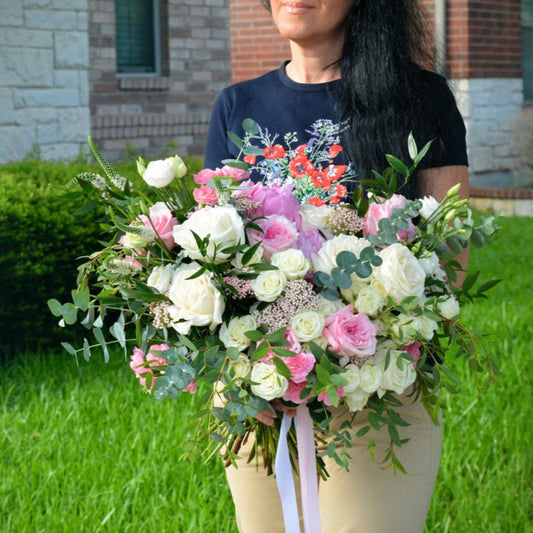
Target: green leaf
x,y
70,313
253,150
340,278
346,260
282,368
283,351
236,140
397,165
55,307
411,146
250,126
81,299
254,335
235,163
86,350
69,348
101,340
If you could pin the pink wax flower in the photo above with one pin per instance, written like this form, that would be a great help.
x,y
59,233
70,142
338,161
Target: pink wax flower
x,y
205,195
300,365
413,350
162,221
279,234
323,396
353,335
294,392
142,364
376,212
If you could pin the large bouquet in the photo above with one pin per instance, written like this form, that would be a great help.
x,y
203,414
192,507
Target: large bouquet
x,y
280,294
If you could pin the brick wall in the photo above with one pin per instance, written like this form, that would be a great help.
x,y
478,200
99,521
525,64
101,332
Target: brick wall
x,y
150,112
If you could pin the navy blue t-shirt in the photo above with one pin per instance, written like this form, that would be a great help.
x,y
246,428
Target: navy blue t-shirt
x,y
283,107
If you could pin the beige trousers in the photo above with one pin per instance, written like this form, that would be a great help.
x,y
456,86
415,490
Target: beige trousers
x,y
366,499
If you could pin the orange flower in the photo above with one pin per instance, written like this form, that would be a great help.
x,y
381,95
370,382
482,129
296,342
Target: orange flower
x,y
322,180
301,166
335,171
274,152
334,200
340,191
250,159
335,150
316,201
301,149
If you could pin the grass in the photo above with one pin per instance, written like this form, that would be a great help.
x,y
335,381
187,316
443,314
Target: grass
x,y
83,449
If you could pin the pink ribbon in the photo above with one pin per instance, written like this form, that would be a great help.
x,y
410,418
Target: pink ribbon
x,y
308,474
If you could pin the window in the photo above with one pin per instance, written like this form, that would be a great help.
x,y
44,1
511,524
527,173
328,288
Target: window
x,y
527,48
138,37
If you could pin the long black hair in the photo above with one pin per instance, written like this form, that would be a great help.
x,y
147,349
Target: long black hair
x,y
384,94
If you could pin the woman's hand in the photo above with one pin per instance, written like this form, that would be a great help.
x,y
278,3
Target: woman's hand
x,y
268,416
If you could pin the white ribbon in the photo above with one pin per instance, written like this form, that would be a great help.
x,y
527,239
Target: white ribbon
x,y
308,474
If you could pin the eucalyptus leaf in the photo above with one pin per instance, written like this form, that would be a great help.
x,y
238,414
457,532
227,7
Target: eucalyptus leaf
x,y
250,126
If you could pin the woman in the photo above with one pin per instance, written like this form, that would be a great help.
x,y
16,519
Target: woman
x,y
357,63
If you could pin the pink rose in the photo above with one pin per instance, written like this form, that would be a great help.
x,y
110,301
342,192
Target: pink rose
x,y
162,221
294,392
205,195
204,176
279,234
353,335
275,200
300,365
376,212
323,396
295,343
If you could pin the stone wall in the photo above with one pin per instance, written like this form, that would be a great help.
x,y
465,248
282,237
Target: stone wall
x,y
44,88
151,112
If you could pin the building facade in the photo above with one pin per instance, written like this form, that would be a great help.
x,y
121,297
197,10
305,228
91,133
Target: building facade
x,y
145,73
485,47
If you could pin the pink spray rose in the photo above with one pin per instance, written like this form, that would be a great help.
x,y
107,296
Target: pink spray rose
x,y
207,174
205,195
279,234
139,362
300,365
294,392
295,343
413,350
376,212
353,335
324,398
162,221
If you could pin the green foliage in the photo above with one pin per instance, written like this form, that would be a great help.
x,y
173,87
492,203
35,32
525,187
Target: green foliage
x,y
41,241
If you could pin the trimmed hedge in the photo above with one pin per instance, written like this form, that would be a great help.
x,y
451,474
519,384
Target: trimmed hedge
x,y
40,241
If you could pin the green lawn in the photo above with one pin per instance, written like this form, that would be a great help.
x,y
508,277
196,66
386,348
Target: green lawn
x,y
82,449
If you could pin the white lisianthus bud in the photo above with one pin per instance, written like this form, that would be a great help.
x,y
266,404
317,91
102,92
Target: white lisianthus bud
x,y
292,262
429,205
431,266
233,334
160,278
180,169
256,258
307,325
137,241
267,382
269,285
449,308
141,166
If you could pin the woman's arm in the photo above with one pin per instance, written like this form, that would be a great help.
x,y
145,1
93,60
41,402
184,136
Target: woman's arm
x,y
436,182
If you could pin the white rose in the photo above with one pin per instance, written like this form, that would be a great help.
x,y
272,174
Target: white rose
x,y
315,216
369,301
406,328
197,301
352,373
328,307
233,334
370,377
292,262
350,295
241,366
427,327
429,204
325,259
307,325
159,173
431,266
356,400
269,285
223,225
267,383
161,277
449,308
400,274
396,379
